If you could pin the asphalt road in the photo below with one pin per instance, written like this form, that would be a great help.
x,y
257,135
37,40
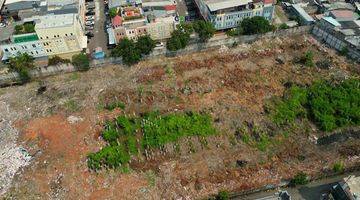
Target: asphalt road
x,y
100,35
311,191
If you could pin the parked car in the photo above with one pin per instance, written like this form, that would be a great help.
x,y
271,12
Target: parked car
x,y
90,13
89,27
89,23
2,25
89,34
89,18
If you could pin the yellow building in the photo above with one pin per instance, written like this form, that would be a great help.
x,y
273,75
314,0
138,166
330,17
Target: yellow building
x,y
61,35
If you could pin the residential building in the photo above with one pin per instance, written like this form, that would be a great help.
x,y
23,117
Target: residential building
x,y
225,14
158,19
60,35
304,17
12,7
340,34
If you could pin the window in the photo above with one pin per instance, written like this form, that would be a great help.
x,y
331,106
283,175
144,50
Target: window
x,y
41,38
34,45
6,50
66,34
37,52
47,37
71,34
58,35
54,36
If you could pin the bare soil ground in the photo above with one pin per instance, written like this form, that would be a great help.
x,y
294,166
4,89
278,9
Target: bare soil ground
x,y
62,125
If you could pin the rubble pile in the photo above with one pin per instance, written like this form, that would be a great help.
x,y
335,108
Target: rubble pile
x,y
12,157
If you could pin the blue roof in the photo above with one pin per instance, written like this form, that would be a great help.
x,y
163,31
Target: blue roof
x,y
303,13
332,21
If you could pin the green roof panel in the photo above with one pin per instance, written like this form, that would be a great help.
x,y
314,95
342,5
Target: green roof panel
x,y
25,38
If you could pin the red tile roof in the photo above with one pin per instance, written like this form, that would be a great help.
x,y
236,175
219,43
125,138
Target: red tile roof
x,y
268,1
117,21
170,7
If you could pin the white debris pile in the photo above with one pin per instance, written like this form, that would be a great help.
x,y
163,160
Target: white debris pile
x,y
12,157
73,119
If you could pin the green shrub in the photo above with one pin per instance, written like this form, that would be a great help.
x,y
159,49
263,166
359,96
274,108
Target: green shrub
x,y
81,62
299,179
159,130
291,107
156,130
22,64
328,105
112,106
338,167
344,51
222,195
255,25
180,37
57,60
307,59
283,26
204,29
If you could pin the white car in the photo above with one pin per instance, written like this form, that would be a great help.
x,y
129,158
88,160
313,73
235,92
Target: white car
x,y
2,25
89,27
89,23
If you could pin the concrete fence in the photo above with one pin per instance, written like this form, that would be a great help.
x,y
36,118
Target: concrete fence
x,y
194,46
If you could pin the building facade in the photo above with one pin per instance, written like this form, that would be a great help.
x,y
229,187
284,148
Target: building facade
x,y
229,13
60,35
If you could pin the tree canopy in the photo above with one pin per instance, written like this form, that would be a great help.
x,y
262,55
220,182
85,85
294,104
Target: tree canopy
x,y
81,62
255,25
180,37
113,12
204,29
21,64
145,44
128,51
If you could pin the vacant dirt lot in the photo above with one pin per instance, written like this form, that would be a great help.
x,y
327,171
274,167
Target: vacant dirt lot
x,y
60,126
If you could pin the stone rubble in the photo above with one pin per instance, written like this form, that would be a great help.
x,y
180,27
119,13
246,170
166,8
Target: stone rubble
x,y
12,156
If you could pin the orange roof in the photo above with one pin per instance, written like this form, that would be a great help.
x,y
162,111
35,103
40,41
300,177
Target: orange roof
x,y
117,21
268,1
170,7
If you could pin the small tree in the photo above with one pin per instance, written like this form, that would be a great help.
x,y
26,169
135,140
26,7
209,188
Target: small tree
x,y
113,12
222,195
255,25
19,29
300,179
283,26
128,51
21,64
29,28
180,37
308,59
81,62
145,44
205,29
344,51
338,167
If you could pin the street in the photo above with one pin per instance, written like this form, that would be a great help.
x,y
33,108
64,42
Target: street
x,y
100,35
311,191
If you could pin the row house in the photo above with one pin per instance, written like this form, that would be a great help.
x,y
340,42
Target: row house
x,y
226,14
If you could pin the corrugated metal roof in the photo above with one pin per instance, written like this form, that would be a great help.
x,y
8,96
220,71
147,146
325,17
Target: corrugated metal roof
x,y
303,13
331,21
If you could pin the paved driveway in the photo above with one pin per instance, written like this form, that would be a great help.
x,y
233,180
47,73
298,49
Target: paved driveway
x,y
100,35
